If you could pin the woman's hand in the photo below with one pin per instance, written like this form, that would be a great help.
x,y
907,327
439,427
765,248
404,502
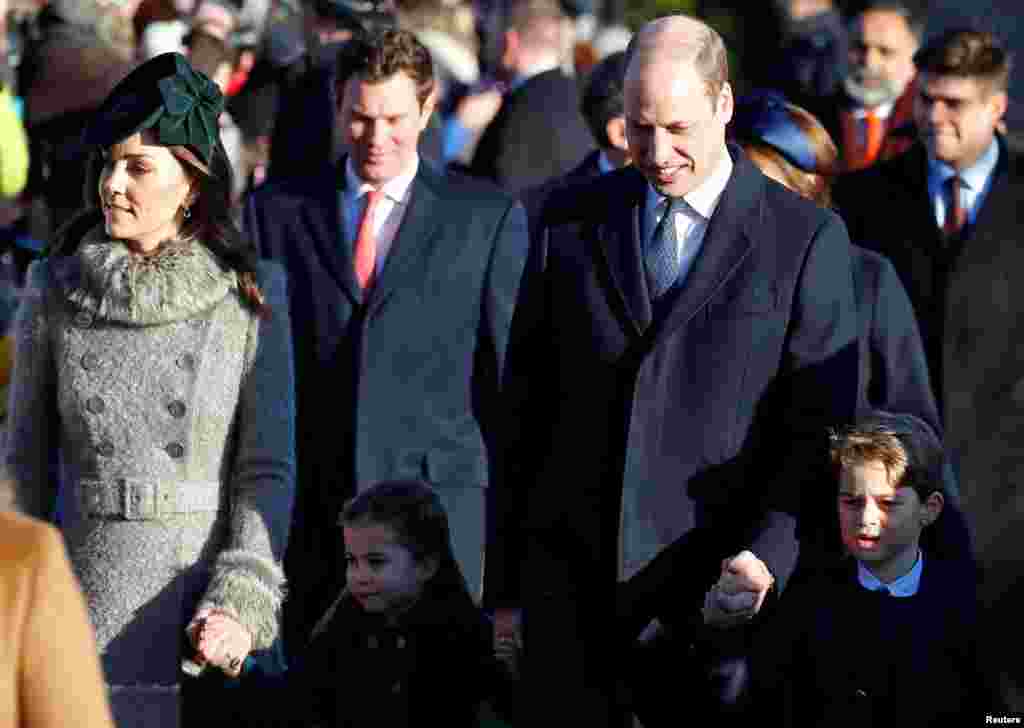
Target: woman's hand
x,y
219,640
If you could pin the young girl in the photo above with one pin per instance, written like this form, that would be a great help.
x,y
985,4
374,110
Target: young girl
x,y
403,642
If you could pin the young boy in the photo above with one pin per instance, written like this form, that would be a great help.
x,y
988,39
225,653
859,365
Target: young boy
x,y
886,636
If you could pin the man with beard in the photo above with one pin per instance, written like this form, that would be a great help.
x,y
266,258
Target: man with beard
x,y
870,117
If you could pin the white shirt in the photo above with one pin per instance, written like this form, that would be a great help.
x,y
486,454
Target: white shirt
x,y
692,221
535,69
860,113
976,181
905,586
881,111
388,215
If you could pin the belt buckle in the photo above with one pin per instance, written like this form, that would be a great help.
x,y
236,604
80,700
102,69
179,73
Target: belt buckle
x,y
138,500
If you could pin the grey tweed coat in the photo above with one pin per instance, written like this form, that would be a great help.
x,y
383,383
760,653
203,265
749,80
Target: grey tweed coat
x,y
171,406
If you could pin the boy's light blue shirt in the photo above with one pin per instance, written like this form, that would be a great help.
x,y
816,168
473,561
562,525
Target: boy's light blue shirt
x,y
905,586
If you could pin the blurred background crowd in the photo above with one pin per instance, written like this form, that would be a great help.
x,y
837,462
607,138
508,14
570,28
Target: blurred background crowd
x,y
59,59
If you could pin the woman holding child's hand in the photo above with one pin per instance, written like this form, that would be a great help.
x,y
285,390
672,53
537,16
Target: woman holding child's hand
x,y
220,641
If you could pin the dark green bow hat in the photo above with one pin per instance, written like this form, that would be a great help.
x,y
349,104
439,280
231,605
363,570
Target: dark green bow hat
x,y
170,97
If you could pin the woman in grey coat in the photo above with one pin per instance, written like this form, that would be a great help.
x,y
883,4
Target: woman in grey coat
x,y
153,362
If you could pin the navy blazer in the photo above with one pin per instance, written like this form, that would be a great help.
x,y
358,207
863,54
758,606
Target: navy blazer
x,y
714,415
404,382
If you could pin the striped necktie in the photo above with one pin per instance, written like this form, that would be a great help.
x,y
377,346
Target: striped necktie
x,y
956,212
662,258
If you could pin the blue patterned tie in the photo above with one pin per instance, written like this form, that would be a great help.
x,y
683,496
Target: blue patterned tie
x,y
662,258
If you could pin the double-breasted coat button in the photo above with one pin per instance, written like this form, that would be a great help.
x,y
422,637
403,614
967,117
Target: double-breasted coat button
x,y
90,361
105,448
176,450
372,642
83,319
96,405
400,642
187,362
176,408
860,693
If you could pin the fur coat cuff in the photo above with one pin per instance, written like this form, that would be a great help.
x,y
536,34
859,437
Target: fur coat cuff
x,y
250,589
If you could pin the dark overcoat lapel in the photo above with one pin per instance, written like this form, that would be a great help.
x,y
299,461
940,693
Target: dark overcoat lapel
x,y
414,240
726,243
325,218
621,250
999,211
913,177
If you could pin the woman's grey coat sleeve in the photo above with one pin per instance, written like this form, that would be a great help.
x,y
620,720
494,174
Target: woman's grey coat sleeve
x,y
32,408
248,581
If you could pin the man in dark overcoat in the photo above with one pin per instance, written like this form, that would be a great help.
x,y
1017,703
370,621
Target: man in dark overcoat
x,y
685,376
402,317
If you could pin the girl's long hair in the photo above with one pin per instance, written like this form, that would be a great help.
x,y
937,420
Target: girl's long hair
x,y
414,510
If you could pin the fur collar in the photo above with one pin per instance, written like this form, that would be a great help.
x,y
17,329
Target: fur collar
x,y
111,281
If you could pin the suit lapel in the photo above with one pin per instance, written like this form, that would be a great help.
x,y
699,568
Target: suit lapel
x,y
412,241
1000,204
727,242
915,179
621,248
324,217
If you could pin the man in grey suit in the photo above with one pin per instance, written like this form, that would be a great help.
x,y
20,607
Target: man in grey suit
x,y
402,285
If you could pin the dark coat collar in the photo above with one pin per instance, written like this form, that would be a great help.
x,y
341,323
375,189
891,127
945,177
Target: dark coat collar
x,y
730,235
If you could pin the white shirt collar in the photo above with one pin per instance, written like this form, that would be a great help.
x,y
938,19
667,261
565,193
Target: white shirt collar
x,y
395,188
975,176
906,586
882,111
704,198
536,69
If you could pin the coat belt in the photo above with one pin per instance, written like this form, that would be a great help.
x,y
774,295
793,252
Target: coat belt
x,y
145,499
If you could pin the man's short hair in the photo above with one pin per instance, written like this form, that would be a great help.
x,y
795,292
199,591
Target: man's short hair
x,y
538,22
915,21
378,55
967,53
905,444
602,97
711,58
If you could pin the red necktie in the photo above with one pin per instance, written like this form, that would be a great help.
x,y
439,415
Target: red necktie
x,y
366,242
956,213
861,150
